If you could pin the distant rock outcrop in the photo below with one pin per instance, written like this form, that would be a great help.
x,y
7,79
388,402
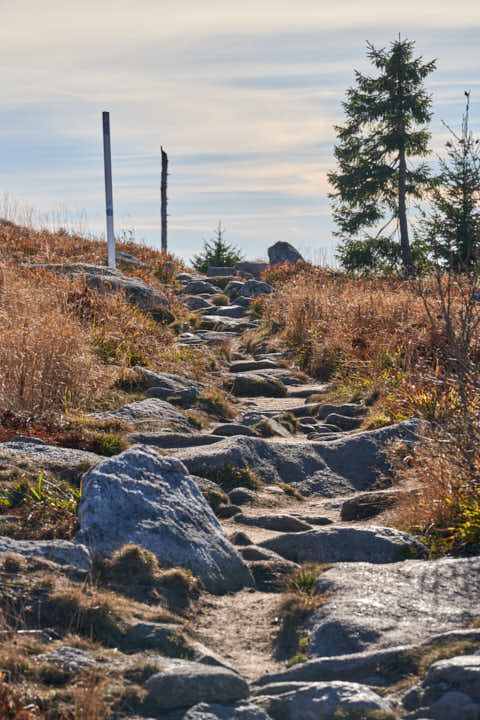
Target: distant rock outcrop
x,y
283,252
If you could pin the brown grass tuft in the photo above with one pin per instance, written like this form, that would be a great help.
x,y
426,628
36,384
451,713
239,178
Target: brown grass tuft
x,y
45,359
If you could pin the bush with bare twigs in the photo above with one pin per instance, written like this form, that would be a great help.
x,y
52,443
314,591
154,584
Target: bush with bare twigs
x,y
446,464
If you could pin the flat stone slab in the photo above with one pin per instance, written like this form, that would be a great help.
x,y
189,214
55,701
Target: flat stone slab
x,y
215,711
367,667
230,311
142,498
252,365
173,441
281,523
62,552
152,411
321,701
346,544
183,684
67,462
375,607
327,469
305,391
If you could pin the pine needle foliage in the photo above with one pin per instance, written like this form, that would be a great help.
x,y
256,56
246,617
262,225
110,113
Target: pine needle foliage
x,y
217,252
386,125
451,228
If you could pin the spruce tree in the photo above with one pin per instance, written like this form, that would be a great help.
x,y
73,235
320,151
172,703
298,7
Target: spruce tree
x,y
216,252
452,226
387,115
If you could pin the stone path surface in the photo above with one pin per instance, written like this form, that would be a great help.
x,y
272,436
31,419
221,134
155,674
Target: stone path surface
x,y
375,593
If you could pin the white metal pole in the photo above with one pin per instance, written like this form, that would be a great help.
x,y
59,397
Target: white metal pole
x,y
107,161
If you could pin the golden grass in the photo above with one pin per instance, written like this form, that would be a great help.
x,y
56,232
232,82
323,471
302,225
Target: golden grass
x,y
366,335
63,344
25,243
45,358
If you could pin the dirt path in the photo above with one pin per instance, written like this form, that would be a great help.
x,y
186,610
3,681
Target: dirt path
x,y
241,627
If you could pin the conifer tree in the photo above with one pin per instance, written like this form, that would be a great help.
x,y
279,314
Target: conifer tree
x,y
216,252
387,115
452,226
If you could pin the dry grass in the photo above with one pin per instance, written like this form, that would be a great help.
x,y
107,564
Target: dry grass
x,y
134,572
445,507
25,243
298,600
63,344
368,335
45,358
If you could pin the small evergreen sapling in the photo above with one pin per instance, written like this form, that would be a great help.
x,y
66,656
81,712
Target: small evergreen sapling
x,y
451,228
217,252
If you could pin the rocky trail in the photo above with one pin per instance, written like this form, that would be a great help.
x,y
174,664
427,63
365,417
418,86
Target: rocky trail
x,y
292,479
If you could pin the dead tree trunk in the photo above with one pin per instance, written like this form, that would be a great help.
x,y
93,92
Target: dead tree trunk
x,y
163,194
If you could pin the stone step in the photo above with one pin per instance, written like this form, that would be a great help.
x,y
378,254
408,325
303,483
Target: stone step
x,y
252,365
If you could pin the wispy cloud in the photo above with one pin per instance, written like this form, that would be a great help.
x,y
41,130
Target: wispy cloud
x,y
244,97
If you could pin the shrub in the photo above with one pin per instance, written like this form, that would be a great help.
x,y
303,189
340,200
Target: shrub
x,y
47,510
216,252
230,477
220,300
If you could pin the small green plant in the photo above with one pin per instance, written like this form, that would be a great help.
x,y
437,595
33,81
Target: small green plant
x,y
289,421
257,306
49,509
264,428
220,300
111,444
230,477
291,491
377,421
302,648
215,403
196,419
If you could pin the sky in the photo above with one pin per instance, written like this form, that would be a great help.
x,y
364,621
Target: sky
x,y
243,95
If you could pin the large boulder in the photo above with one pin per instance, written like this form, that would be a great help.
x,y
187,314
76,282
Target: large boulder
x,y
166,385
451,689
255,288
329,469
371,607
201,287
345,544
183,684
142,498
137,292
283,252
